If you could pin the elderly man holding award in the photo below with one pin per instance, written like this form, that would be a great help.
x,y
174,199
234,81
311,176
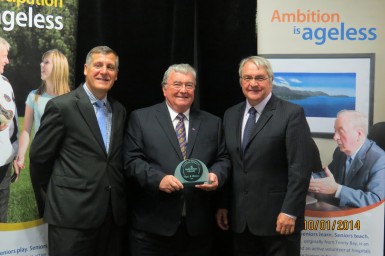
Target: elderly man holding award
x,y
175,157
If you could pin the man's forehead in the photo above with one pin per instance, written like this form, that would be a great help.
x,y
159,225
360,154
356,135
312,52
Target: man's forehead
x,y
181,76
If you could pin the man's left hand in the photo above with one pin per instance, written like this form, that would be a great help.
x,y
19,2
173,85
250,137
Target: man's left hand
x,y
327,185
285,224
211,185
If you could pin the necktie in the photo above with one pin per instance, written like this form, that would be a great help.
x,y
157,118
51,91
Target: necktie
x,y
181,134
347,166
249,127
102,120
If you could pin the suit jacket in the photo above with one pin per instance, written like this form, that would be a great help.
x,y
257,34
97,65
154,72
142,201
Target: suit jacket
x,y
152,151
365,182
69,156
272,174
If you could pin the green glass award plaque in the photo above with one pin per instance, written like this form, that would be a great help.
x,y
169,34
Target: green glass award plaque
x,y
192,172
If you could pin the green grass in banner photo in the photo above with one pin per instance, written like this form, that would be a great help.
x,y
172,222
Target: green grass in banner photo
x,y
22,204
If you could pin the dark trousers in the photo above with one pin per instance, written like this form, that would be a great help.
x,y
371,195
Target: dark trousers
x,y
3,171
5,187
247,244
39,193
106,240
180,244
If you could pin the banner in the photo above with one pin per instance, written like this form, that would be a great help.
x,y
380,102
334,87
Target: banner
x,y
24,238
357,231
31,27
334,51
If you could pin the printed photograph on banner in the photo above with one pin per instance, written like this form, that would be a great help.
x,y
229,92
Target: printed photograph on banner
x,y
320,94
345,203
324,84
37,53
41,36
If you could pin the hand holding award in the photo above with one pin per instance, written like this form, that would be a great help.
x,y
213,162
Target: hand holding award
x,y
195,172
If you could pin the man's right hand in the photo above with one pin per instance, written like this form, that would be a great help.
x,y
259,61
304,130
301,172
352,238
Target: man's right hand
x,y
170,183
222,219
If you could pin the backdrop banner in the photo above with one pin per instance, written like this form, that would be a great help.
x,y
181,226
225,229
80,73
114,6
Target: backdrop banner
x,y
31,27
294,34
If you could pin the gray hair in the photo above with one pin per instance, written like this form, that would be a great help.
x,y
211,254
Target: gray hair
x,y
260,62
102,50
179,68
356,119
4,43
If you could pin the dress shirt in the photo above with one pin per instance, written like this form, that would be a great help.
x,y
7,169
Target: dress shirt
x,y
175,120
259,107
93,100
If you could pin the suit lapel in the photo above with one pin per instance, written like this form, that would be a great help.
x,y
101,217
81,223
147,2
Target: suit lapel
x,y
194,125
164,120
265,116
115,122
239,121
88,113
339,175
358,161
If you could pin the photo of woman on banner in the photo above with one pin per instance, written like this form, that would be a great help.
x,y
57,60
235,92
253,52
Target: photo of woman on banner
x,y
55,76
356,176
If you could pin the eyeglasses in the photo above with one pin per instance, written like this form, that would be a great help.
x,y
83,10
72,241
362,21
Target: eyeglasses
x,y
179,85
258,79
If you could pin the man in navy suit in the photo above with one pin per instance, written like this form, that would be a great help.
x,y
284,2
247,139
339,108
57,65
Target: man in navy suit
x,y
80,169
272,163
168,217
356,175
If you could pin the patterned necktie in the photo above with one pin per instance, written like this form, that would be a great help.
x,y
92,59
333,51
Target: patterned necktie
x,y
181,134
249,127
102,120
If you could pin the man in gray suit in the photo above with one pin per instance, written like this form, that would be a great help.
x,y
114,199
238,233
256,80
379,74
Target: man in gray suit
x,y
77,157
356,175
272,153
168,217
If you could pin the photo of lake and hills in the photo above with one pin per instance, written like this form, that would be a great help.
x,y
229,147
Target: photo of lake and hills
x,y
320,94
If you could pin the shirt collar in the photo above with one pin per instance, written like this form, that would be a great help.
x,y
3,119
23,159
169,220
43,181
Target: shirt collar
x,y
92,97
355,153
259,107
173,114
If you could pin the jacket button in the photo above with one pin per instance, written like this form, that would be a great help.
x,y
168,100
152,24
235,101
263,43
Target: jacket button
x,y
108,188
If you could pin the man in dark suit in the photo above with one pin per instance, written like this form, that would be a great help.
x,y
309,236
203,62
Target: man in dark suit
x,y
272,154
168,217
77,158
356,175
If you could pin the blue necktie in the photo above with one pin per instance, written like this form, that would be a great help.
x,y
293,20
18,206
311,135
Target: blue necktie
x,y
181,134
249,127
347,166
102,120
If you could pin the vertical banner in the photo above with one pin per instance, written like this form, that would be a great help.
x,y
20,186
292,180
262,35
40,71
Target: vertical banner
x,y
31,27
327,56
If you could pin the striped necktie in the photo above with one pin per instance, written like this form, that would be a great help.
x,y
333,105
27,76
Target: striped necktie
x,y
181,134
